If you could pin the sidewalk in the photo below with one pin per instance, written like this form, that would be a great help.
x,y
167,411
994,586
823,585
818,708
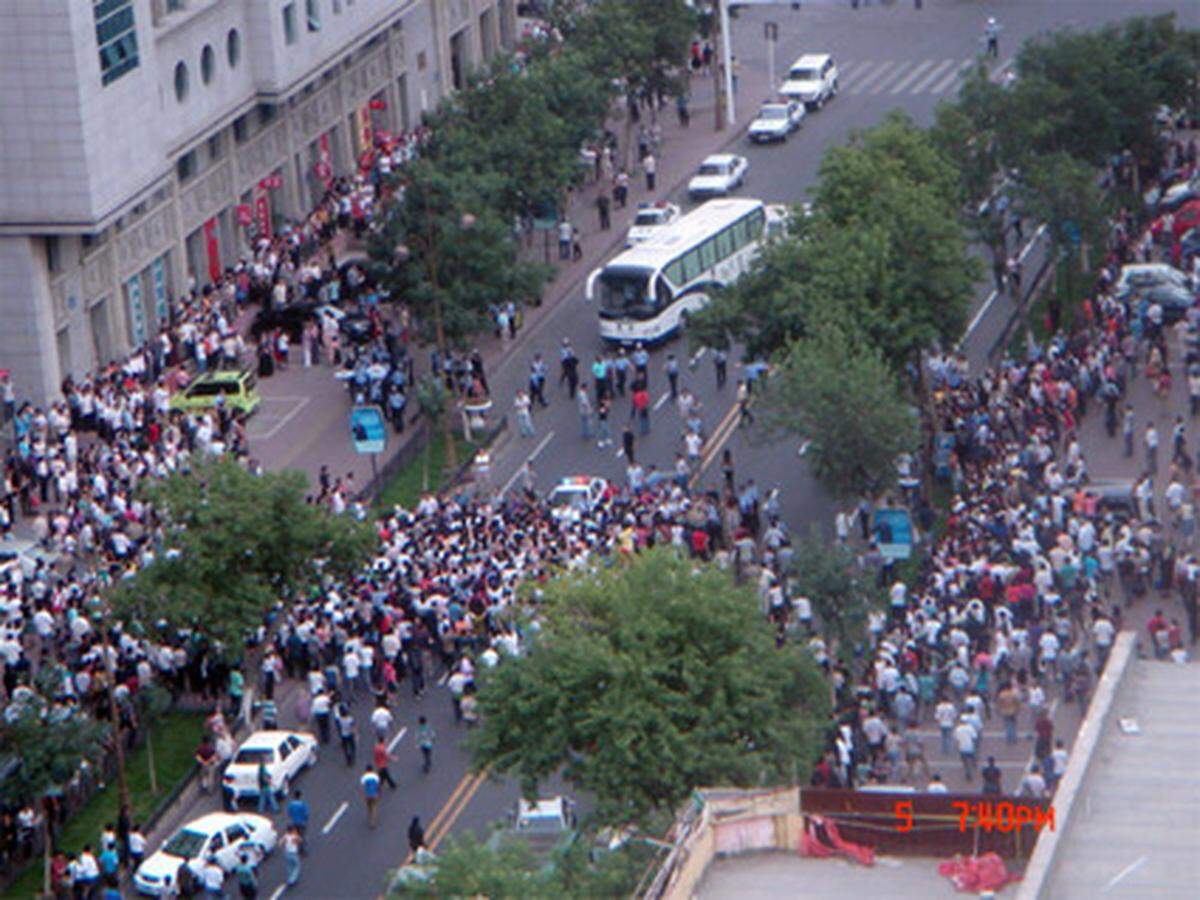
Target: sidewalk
x,y
303,420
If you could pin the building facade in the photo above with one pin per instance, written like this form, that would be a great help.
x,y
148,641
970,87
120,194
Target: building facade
x,y
146,142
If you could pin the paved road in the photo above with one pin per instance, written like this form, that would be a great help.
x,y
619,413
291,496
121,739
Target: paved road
x,y
891,57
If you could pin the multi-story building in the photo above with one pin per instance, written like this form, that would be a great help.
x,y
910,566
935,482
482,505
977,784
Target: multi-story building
x,y
144,142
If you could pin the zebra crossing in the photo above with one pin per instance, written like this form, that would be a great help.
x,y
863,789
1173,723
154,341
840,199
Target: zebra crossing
x,y
908,76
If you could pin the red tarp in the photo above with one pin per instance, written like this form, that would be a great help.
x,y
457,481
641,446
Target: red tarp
x,y
976,874
821,839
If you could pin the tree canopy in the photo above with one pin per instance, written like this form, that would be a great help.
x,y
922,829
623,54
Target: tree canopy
x,y
839,394
884,254
841,592
234,545
646,681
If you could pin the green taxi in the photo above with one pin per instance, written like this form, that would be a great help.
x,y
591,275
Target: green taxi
x,y
238,389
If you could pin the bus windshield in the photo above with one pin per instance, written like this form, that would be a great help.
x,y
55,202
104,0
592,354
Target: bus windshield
x,y
623,290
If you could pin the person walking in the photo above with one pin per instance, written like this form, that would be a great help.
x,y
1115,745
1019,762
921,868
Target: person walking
x,y
381,720
945,715
991,776
627,441
416,835
568,367
1008,705
602,207
425,738
298,815
671,367
650,167
322,708
1127,426
603,433
641,408
966,739
382,756
991,34
521,404
292,843
266,792
621,189
1150,439
584,401
720,364
537,380
347,732
370,788
247,878
565,233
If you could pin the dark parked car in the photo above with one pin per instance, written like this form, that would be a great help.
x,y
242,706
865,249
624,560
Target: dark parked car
x,y
355,326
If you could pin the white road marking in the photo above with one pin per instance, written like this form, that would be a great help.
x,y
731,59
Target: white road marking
x,y
1125,873
278,892
698,356
898,73
912,76
337,814
300,402
532,456
661,400
861,87
952,77
397,739
932,75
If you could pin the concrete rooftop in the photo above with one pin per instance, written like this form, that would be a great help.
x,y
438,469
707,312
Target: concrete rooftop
x,y
776,874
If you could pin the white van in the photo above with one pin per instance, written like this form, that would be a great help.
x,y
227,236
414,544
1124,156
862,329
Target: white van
x,y
812,79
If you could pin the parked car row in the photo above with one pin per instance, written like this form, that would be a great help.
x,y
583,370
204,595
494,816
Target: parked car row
x,y
224,837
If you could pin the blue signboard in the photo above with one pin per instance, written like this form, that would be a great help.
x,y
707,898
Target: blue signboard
x,y
368,429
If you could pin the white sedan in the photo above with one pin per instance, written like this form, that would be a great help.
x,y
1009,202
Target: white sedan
x,y
776,120
285,754
649,219
718,175
224,836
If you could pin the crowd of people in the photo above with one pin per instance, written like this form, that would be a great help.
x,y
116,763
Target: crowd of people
x,y
1036,566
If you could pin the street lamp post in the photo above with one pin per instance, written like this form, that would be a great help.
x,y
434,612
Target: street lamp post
x,y
771,33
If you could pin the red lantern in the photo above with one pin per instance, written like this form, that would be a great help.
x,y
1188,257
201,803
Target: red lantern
x,y
378,103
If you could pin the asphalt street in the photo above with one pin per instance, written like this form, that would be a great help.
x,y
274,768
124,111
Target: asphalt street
x,y
890,57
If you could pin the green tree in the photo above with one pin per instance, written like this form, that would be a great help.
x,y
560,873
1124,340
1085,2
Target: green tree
x,y
839,394
841,593
646,681
884,253
234,545
554,104
449,256
465,867
48,740
151,702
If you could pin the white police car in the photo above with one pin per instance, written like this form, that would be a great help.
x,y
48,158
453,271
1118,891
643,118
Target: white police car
x,y
221,836
718,175
576,496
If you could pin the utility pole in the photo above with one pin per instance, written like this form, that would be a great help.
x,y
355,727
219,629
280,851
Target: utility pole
x,y
727,60
718,35
771,33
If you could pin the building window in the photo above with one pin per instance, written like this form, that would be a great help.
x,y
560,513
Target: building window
x,y
233,47
175,5
313,14
289,23
266,114
186,167
181,81
206,63
337,7
116,37
241,128
421,63
216,147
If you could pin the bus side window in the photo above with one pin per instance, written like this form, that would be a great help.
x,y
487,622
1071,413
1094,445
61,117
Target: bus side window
x,y
708,253
691,266
725,244
662,292
739,234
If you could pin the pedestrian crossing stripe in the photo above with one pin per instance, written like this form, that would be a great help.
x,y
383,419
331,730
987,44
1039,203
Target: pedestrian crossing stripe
x,y
892,77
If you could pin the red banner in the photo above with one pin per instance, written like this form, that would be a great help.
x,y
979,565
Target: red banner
x,y
212,247
378,103
324,166
245,214
262,214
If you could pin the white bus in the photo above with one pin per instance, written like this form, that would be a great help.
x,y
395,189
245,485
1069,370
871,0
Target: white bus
x,y
646,292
